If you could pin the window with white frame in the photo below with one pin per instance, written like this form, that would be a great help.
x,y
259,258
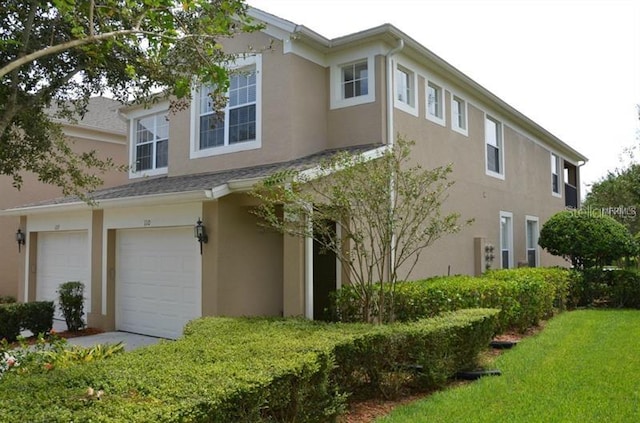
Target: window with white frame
x,y
506,240
435,103
352,82
404,89
459,114
237,126
151,138
555,174
355,79
532,233
494,146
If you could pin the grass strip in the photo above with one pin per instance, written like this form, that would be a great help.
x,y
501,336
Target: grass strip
x,y
584,367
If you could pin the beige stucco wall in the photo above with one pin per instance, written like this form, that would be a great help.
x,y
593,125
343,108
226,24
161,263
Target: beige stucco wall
x,y
525,190
249,262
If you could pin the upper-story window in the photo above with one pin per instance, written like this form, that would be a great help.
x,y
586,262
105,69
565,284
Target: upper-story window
x,y
353,83
494,147
237,126
555,175
355,80
405,96
459,115
435,103
149,150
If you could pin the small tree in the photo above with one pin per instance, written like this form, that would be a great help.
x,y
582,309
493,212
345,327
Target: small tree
x,y
71,299
586,239
388,210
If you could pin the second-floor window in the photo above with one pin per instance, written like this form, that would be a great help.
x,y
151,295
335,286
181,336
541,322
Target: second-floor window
x,y
237,122
494,145
355,80
151,142
404,88
459,114
435,103
236,127
555,174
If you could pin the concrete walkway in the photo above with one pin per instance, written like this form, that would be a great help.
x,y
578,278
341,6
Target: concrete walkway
x,y
131,341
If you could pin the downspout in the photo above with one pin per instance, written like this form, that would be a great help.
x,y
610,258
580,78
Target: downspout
x,y
388,57
391,141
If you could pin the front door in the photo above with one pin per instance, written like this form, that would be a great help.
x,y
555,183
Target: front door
x,y
324,276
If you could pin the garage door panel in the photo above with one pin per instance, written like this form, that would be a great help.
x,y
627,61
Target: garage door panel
x,y
157,283
62,257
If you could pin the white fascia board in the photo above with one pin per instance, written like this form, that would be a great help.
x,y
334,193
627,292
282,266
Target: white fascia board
x,y
145,200
317,171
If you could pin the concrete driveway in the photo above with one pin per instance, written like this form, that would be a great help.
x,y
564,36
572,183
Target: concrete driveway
x,y
131,341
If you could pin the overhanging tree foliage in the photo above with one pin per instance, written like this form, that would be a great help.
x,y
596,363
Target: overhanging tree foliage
x,y
64,51
586,239
388,212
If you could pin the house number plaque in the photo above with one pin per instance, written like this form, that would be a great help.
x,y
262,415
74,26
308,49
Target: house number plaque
x,y
147,222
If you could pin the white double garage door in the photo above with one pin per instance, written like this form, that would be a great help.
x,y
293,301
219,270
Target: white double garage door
x,y
157,276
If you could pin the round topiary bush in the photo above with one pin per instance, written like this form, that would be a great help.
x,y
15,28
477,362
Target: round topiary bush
x,y
586,239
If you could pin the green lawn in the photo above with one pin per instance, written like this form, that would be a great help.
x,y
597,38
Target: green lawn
x,y
584,367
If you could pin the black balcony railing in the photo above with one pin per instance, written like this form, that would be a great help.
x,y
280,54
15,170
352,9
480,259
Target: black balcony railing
x,y
570,196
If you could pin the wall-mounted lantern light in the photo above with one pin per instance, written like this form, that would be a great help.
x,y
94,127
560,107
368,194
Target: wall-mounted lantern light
x,y
20,238
200,232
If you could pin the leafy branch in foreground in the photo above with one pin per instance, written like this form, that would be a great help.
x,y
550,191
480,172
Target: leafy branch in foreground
x,y
388,211
61,52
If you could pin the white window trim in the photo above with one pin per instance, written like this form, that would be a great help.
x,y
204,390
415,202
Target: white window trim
x,y
413,76
337,101
140,114
528,219
560,175
498,175
454,119
439,120
510,240
195,152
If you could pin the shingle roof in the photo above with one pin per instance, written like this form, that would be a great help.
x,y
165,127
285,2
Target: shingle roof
x,y
102,113
202,181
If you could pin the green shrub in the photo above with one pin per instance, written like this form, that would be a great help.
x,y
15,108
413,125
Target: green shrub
x,y
10,321
586,239
7,299
71,299
619,288
524,296
38,317
252,370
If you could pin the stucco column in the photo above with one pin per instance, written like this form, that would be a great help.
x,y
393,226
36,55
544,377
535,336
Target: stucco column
x,y
293,276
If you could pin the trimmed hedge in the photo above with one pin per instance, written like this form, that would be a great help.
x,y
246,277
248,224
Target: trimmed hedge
x,y
36,316
253,370
524,296
7,299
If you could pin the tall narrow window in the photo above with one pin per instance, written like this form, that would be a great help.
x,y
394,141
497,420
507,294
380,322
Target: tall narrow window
x,y
506,240
555,174
493,140
532,241
404,86
435,102
151,142
459,115
355,80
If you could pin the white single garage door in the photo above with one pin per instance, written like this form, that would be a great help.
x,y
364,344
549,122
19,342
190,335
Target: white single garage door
x,y
158,287
62,257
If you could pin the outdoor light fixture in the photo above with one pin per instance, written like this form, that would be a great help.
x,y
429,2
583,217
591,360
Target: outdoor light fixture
x,y
200,233
20,238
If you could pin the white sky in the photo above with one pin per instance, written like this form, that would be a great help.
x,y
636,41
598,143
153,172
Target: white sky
x,y
573,66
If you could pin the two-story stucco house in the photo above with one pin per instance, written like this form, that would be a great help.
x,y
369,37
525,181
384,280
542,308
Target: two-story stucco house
x,y
296,100
101,129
